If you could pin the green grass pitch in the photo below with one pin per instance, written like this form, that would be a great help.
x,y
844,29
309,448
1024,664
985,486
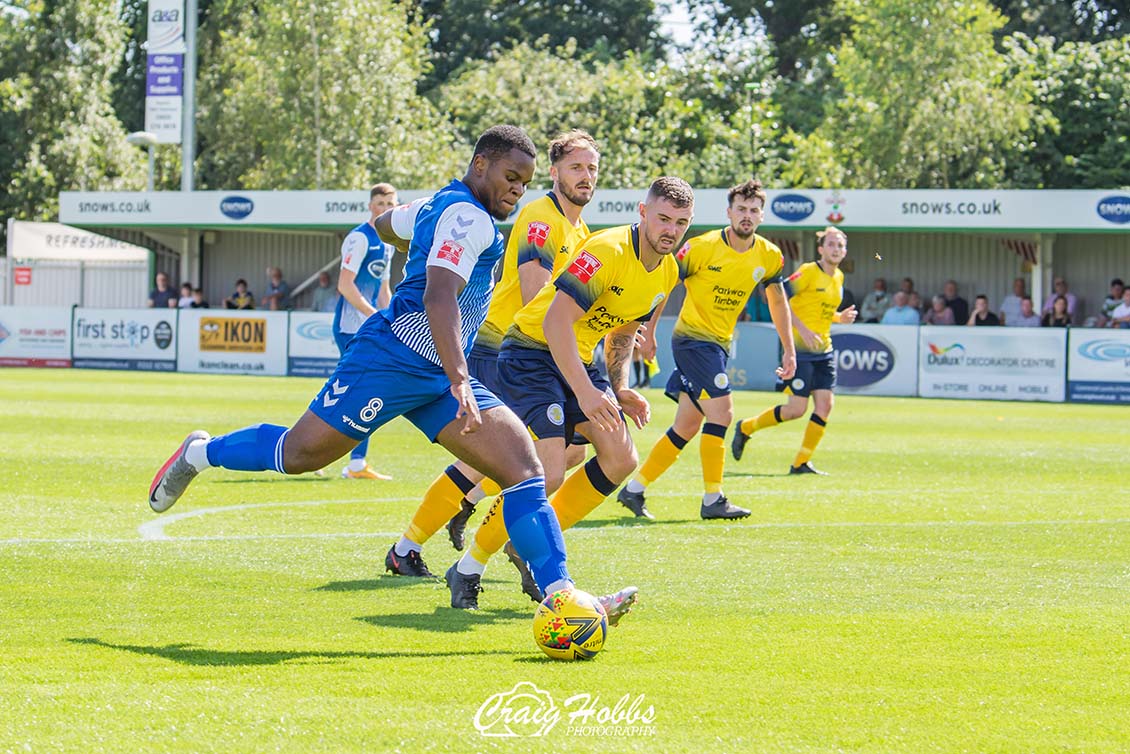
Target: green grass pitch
x,y
959,583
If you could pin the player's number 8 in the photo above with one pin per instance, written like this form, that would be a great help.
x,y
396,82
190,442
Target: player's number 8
x,y
370,411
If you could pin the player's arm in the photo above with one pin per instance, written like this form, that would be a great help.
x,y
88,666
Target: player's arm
x,y
353,250
645,336
535,256
441,294
532,277
562,315
783,322
395,226
618,347
384,293
845,317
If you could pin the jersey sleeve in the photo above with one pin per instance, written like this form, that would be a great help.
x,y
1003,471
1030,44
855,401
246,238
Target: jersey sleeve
x,y
796,282
403,218
353,251
584,279
774,269
462,234
536,242
684,258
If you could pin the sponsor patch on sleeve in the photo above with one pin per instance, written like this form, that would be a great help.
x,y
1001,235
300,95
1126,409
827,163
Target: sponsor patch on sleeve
x,y
682,253
537,233
450,251
585,266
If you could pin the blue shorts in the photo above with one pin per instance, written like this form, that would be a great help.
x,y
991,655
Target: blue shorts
x,y
534,388
483,366
379,378
811,375
700,370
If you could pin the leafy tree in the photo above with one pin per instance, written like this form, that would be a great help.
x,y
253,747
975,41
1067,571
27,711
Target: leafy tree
x,y
926,102
1066,21
59,131
318,93
463,31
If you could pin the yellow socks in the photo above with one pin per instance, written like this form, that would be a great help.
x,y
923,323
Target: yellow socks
x,y
770,417
665,453
712,450
442,501
582,491
812,435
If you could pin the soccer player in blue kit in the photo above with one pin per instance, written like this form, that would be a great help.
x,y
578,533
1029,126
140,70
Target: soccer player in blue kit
x,y
410,360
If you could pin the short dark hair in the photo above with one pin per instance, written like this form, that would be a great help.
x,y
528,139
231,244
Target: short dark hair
x,y
566,142
198,290
675,190
981,295
751,189
1118,281
241,280
1025,298
381,189
497,141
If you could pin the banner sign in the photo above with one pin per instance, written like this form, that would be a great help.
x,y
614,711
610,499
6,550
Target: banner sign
x,y
992,363
138,339
1098,366
1028,211
164,70
232,342
312,350
876,359
35,336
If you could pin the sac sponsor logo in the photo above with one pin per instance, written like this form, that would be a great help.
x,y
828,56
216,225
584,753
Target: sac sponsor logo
x,y
793,207
1114,209
236,334
1107,351
122,332
315,330
236,207
861,360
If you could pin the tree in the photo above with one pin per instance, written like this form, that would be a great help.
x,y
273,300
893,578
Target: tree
x,y
318,93
1066,21
468,31
59,131
927,101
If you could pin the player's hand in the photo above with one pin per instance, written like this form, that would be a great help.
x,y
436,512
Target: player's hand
x,y
787,369
645,341
634,406
847,316
601,409
468,407
812,340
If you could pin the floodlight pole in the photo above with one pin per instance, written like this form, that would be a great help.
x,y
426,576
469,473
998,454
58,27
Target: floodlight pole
x,y
188,123
147,140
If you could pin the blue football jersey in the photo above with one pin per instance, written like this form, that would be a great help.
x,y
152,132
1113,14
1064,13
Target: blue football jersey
x,y
454,231
366,255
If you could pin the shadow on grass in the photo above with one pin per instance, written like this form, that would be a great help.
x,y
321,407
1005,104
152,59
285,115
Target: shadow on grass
x,y
189,654
447,620
387,582
269,478
631,523
753,475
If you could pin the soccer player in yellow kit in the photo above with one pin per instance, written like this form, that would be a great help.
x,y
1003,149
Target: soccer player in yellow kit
x,y
720,270
816,290
545,234
612,284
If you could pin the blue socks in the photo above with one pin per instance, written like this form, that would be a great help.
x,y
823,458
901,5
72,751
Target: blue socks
x,y
256,448
361,450
534,531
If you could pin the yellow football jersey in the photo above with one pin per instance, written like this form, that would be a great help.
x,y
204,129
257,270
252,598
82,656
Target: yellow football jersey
x,y
541,232
814,298
607,279
719,281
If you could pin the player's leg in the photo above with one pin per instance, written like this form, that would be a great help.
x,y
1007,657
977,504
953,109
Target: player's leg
x,y
457,525
309,445
358,467
588,486
688,421
814,431
798,389
719,413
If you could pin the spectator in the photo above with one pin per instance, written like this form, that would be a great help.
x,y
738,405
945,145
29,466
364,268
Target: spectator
x,y
1027,316
278,291
162,297
914,301
907,286
875,303
242,298
325,295
1058,316
1110,303
198,301
981,316
955,302
939,313
185,299
757,308
1010,307
900,313
1120,317
1060,286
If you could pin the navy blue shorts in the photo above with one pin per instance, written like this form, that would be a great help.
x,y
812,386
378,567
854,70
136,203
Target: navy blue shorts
x,y
534,388
700,370
342,339
811,375
379,378
482,363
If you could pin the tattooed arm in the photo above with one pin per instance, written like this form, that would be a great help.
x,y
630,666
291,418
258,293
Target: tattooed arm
x,y
618,347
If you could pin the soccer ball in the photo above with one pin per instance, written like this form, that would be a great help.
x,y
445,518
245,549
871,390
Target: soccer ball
x,y
570,625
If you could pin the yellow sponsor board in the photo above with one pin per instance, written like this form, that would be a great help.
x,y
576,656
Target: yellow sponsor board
x,y
241,334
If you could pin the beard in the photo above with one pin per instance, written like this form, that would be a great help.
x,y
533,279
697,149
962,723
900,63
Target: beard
x,y
574,197
738,232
